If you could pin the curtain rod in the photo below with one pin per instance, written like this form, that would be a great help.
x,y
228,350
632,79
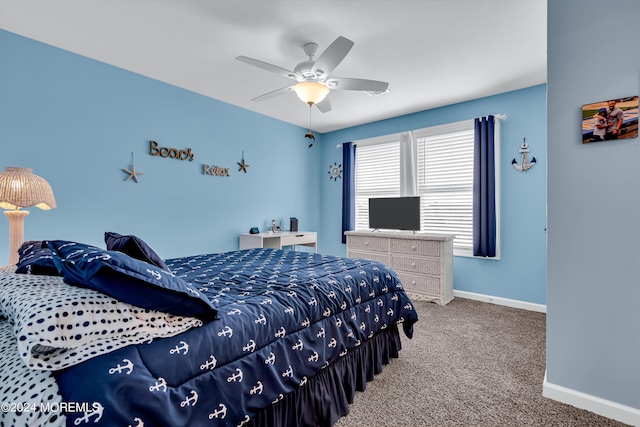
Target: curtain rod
x,y
499,116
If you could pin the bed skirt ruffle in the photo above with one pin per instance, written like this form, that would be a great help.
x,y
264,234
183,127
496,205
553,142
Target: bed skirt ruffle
x,y
326,397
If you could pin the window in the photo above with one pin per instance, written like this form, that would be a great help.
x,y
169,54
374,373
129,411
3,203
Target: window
x,y
377,173
445,181
443,162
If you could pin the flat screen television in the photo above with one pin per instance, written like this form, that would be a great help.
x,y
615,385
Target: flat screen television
x,y
394,213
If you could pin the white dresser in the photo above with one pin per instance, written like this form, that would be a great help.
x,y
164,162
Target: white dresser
x,y
423,262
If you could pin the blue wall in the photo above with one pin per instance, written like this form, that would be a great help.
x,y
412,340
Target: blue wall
x,y
520,272
76,121
593,338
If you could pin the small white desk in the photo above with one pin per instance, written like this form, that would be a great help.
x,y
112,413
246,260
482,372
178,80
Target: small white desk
x,y
280,239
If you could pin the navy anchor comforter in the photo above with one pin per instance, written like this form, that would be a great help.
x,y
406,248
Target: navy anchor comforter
x,y
283,317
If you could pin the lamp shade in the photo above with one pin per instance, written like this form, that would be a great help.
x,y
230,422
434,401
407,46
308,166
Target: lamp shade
x,y
20,188
311,92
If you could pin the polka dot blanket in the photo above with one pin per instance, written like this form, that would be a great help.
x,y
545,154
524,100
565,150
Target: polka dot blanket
x,y
58,325
29,397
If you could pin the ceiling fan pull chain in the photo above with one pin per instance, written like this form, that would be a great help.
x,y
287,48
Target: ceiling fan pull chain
x,y
310,134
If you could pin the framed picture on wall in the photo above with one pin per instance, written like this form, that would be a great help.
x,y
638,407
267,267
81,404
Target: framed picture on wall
x,y
610,120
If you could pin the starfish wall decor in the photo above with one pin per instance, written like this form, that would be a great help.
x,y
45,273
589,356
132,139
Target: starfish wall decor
x,y
133,173
242,164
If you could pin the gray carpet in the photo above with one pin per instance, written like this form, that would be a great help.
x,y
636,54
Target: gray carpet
x,y
469,364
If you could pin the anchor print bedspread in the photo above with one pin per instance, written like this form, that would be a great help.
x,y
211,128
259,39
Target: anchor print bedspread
x,y
283,317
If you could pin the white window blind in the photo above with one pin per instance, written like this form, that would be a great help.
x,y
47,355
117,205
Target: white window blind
x,y
445,181
377,173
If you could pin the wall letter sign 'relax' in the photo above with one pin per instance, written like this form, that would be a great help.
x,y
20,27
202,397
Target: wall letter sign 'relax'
x,y
215,170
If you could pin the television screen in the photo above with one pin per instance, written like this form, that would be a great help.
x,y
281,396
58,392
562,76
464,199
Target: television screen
x,y
394,213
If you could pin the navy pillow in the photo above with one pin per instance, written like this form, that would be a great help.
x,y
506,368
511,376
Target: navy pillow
x,y
129,280
133,246
33,258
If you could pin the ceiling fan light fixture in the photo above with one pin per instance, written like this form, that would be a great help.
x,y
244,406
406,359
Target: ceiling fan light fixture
x,y
311,92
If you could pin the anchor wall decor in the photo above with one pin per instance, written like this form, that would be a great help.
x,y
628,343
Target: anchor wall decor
x,y
526,164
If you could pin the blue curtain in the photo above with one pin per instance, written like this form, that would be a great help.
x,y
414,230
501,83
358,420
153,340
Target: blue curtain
x,y
348,188
484,189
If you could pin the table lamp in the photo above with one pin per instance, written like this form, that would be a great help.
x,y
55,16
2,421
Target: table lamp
x,y
20,188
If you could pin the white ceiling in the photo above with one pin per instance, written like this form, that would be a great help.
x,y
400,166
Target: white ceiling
x,y
432,52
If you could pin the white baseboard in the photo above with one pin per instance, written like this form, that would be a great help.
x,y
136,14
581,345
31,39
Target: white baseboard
x,y
501,301
606,408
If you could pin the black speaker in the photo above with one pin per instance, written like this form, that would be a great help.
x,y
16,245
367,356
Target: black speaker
x,y
254,230
293,226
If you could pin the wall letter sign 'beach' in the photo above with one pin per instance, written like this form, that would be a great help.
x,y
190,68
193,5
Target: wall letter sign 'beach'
x,y
172,153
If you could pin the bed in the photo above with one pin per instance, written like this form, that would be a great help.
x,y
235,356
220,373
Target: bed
x,y
258,337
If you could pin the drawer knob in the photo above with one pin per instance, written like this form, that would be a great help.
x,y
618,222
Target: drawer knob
x,y
413,282
366,243
413,264
414,247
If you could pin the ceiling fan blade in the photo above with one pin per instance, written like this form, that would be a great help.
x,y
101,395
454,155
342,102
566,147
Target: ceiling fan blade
x,y
332,56
269,67
324,106
345,83
273,94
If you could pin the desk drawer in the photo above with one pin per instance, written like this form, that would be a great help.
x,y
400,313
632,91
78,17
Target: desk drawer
x,y
377,244
297,239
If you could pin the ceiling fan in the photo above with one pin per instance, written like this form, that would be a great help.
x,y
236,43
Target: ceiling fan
x,y
313,75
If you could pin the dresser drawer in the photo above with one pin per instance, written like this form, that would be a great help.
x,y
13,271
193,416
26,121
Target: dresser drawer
x,y
373,256
420,284
415,265
377,244
415,247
